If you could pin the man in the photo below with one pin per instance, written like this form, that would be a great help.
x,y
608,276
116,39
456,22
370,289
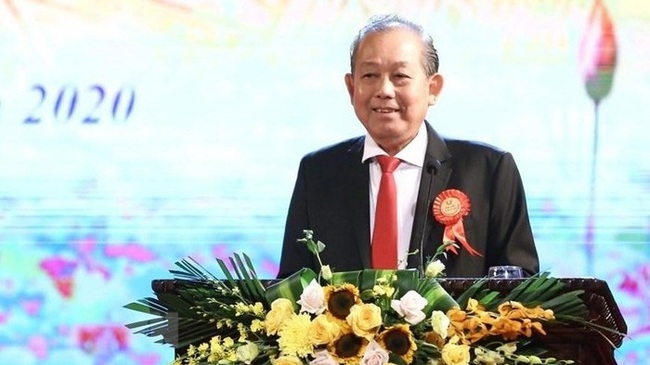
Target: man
x,y
393,81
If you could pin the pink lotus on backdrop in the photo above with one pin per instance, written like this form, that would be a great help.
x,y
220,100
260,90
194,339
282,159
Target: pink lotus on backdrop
x,y
598,53
598,62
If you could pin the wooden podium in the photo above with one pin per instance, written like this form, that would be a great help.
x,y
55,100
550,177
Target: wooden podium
x,y
584,346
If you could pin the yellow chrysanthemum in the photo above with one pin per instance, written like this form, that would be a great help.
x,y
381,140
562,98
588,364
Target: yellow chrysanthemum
x,y
293,336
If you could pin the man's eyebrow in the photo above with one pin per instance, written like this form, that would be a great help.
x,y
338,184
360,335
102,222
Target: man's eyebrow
x,y
376,63
368,63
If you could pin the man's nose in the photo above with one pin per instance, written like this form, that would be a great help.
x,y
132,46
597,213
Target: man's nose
x,y
385,89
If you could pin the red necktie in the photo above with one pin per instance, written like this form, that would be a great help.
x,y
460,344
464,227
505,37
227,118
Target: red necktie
x,y
384,236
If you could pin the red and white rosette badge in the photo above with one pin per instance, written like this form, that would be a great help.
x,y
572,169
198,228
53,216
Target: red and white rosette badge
x,y
449,208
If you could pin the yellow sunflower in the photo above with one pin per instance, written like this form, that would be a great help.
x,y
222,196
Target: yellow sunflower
x,y
348,349
340,299
398,339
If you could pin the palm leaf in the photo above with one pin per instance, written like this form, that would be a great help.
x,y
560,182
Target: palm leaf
x,y
476,291
246,278
179,322
539,290
148,306
191,270
147,322
259,288
174,316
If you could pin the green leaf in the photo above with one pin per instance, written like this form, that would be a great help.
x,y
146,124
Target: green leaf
x,y
244,279
291,287
175,316
226,272
191,270
491,299
437,297
258,287
147,322
342,277
147,305
476,291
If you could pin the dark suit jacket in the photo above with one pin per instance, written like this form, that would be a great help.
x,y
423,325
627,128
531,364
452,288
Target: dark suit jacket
x,y
331,197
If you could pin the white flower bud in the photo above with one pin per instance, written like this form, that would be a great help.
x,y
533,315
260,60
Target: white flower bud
x,y
326,272
434,269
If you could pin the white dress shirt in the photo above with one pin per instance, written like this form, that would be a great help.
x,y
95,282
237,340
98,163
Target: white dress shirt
x,y
407,181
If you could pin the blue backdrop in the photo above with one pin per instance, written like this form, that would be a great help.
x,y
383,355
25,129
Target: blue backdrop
x,y
133,134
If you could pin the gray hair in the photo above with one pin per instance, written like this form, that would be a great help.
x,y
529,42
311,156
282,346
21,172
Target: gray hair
x,y
379,23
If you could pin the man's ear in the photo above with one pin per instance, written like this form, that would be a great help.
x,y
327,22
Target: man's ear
x,y
435,87
349,84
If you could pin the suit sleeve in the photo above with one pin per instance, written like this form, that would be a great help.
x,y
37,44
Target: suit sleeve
x,y
295,255
510,224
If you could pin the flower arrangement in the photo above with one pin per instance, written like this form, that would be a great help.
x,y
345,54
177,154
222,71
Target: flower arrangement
x,y
369,317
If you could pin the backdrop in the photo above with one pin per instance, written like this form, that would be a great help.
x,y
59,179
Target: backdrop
x,y
136,133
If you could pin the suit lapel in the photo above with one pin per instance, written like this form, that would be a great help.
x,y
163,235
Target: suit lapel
x,y
358,196
435,177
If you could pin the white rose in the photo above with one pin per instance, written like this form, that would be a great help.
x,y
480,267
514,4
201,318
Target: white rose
x,y
440,323
323,357
434,269
374,355
312,299
410,307
247,353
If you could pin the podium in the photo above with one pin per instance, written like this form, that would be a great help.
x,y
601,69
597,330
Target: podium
x,y
584,346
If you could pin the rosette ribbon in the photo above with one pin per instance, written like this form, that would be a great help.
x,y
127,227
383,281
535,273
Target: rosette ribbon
x,y
449,208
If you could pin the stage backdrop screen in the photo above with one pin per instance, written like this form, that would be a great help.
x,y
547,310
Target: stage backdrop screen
x,y
137,133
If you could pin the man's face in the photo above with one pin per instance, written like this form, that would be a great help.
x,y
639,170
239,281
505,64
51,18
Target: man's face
x,y
390,90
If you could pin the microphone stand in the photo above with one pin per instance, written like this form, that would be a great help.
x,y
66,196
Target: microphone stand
x,y
432,169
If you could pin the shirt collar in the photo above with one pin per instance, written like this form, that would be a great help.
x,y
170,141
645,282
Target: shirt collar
x,y
413,153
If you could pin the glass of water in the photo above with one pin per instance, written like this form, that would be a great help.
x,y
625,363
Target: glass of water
x,y
505,272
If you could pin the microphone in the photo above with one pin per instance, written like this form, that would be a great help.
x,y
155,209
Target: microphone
x,y
432,168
